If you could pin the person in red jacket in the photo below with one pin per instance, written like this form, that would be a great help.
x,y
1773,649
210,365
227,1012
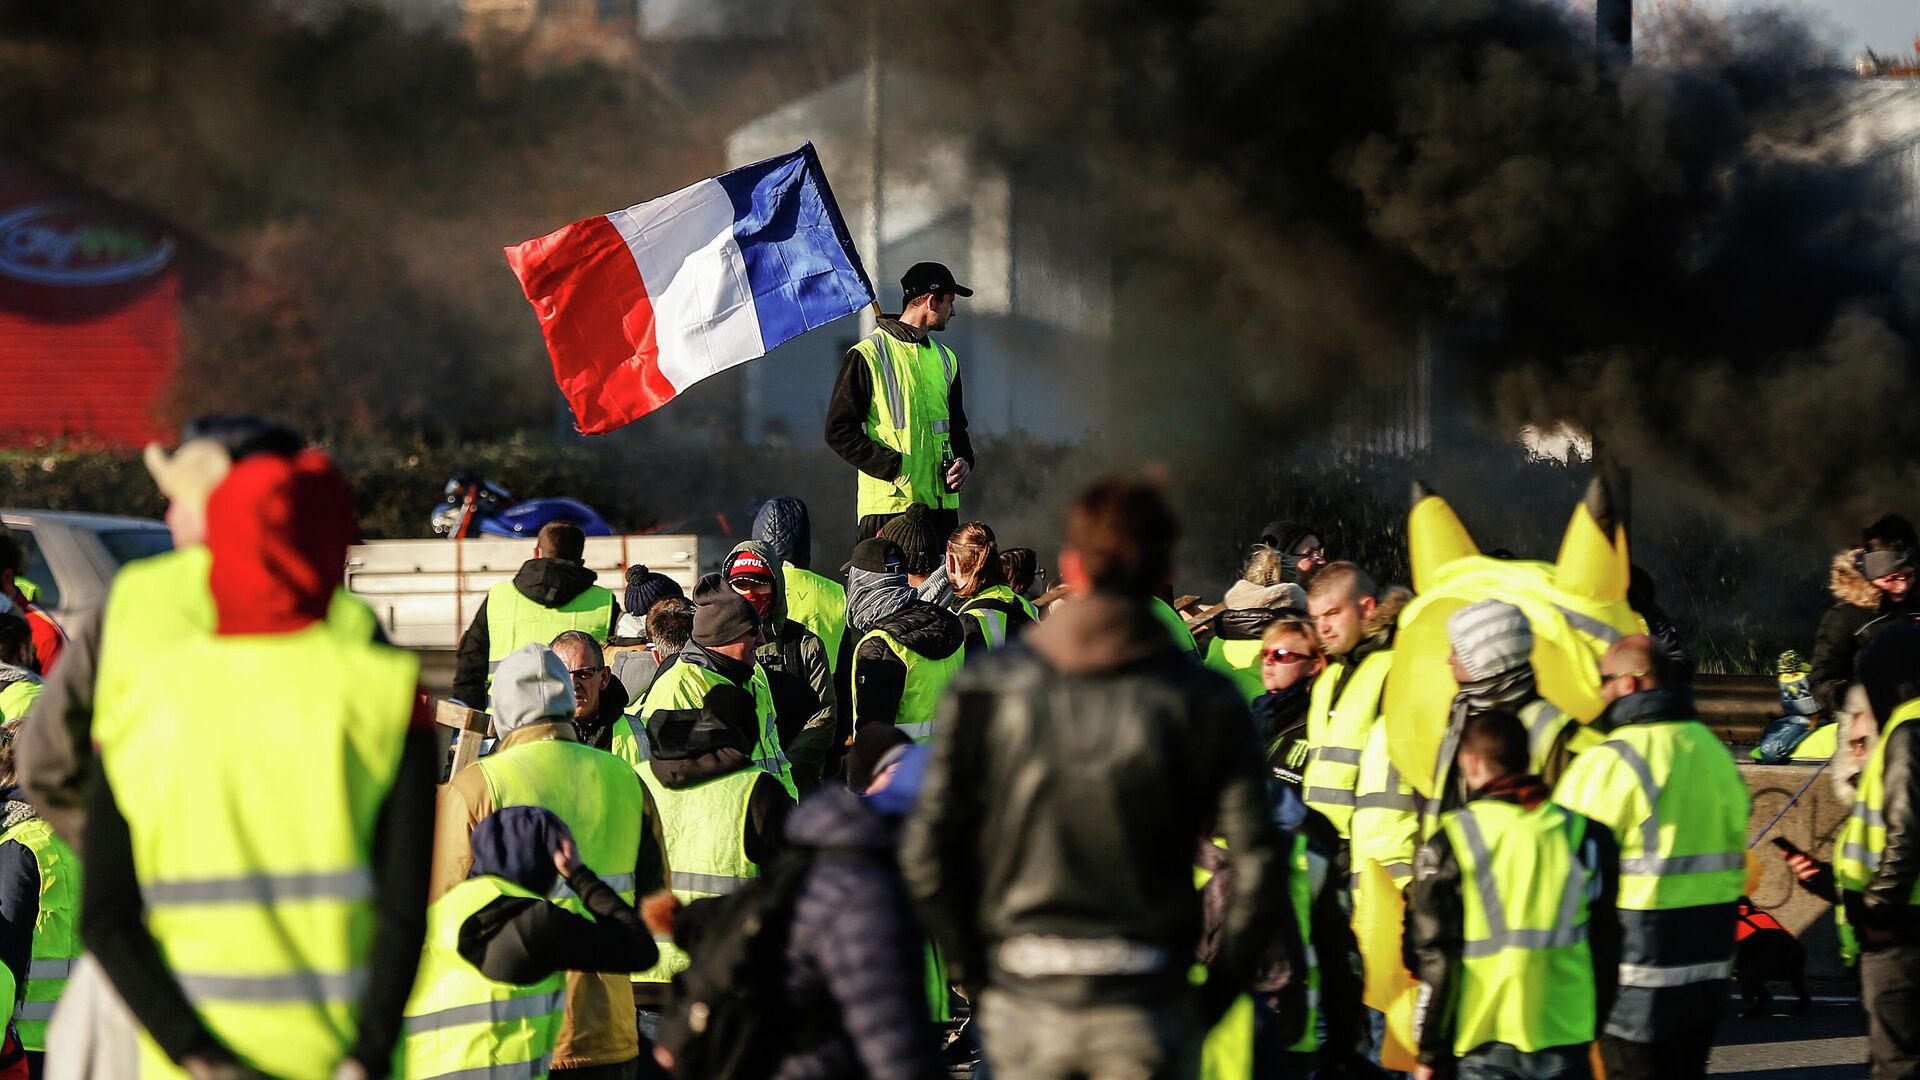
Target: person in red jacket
x,y
47,635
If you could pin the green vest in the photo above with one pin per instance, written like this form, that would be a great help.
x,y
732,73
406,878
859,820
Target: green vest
x,y
1337,732
56,938
926,678
1863,839
1386,812
997,608
819,604
17,697
1176,626
686,686
514,621
1238,660
591,790
909,414
459,1023
704,828
1526,970
263,908
1227,1053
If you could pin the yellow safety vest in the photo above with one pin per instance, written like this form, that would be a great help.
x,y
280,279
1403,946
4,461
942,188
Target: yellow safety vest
x,y
926,679
705,831
997,609
1238,660
1863,839
1675,801
459,1023
686,686
1526,970
262,909
56,937
1337,732
17,697
591,790
514,621
1386,812
819,604
909,413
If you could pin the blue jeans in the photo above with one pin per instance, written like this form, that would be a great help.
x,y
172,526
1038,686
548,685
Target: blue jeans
x,y
1498,1061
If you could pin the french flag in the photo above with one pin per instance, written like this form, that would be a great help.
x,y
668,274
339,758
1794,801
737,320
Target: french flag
x,y
640,304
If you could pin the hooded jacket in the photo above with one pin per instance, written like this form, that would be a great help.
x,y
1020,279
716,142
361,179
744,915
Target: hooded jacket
x,y
799,653
1071,774
853,399
1860,614
1250,610
855,941
783,525
881,677
547,582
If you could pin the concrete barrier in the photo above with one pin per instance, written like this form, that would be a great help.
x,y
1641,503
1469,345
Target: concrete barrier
x,y
1811,823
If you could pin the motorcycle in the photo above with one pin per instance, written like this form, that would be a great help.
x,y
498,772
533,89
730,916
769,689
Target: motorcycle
x,y
472,505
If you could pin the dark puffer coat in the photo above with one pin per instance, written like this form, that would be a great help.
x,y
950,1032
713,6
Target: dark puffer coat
x,y
855,940
1862,614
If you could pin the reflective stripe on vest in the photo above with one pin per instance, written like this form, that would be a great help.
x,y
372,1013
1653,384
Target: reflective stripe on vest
x,y
1863,839
56,942
909,414
1337,730
593,791
459,1022
926,679
704,829
1386,813
262,910
997,608
1652,865
514,621
686,686
1526,973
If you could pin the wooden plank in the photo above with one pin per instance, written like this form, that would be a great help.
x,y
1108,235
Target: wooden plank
x,y
471,727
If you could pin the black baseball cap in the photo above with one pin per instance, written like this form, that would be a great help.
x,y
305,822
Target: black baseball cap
x,y
930,277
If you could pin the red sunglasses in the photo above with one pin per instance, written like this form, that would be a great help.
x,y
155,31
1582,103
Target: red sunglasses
x,y
1282,656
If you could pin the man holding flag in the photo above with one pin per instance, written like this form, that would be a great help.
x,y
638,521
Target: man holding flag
x,y
896,412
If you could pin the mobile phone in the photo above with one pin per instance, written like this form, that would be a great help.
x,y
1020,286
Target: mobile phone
x,y
1786,846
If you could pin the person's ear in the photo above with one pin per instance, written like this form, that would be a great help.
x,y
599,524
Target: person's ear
x,y
1365,606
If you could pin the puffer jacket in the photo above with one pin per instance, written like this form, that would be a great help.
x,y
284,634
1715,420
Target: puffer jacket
x,y
855,941
783,525
1072,771
931,631
1861,614
798,652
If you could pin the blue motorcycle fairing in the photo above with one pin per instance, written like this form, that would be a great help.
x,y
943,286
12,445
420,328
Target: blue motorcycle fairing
x,y
526,518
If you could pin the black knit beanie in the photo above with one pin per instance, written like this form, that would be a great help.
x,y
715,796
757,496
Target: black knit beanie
x,y
913,534
720,615
646,588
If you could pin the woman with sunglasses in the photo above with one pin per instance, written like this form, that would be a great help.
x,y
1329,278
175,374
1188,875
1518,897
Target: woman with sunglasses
x,y
1290,657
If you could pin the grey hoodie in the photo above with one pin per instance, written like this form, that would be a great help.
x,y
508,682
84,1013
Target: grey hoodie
x,y
531,685
798,652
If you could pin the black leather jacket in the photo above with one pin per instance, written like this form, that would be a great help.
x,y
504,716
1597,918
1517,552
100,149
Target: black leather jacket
x,y
1887,903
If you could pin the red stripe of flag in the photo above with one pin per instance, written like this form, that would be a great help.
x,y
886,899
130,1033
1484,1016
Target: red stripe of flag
x,y
598,321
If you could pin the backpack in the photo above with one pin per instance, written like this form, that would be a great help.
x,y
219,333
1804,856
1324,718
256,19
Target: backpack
x,y
727,1017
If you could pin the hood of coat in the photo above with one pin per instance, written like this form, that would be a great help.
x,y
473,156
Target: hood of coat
x,y
552,582
1100,632
10,674
1245,595
875,595
1378,631
837,818
783,525
1848,585
683,772
933,632
14,807
777,613
529,686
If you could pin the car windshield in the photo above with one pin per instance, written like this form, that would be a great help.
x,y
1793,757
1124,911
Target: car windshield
x,y
37,571
126,545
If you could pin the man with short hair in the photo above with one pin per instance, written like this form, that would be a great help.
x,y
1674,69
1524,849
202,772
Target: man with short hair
x,y
669,625
1052,848
1676,804
553,591
1357,632
1511,929
896,412
598,697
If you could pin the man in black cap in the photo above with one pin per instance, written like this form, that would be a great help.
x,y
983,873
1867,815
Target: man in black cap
x,y
896,412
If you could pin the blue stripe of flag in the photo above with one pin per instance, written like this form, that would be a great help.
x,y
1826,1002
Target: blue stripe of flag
x,y
801,263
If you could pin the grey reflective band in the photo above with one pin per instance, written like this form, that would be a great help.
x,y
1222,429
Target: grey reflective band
x,y
717,884
773,764
918,731
1387,800
1332,796
1589,625
941,427
35,1010
946,359
524,1070
620,883
896,402
261,888
1568,927
1655,977
1872,817
1339,755
489,1012
1398,869
342,987
1859,853
48,969
493,666
1684,864
1648,863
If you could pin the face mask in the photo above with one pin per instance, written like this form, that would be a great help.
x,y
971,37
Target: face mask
x,y
762,603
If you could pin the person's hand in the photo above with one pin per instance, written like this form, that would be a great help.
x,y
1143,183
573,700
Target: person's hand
x,y
1802,865
566,858
350,1069
1424,1072
958,472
